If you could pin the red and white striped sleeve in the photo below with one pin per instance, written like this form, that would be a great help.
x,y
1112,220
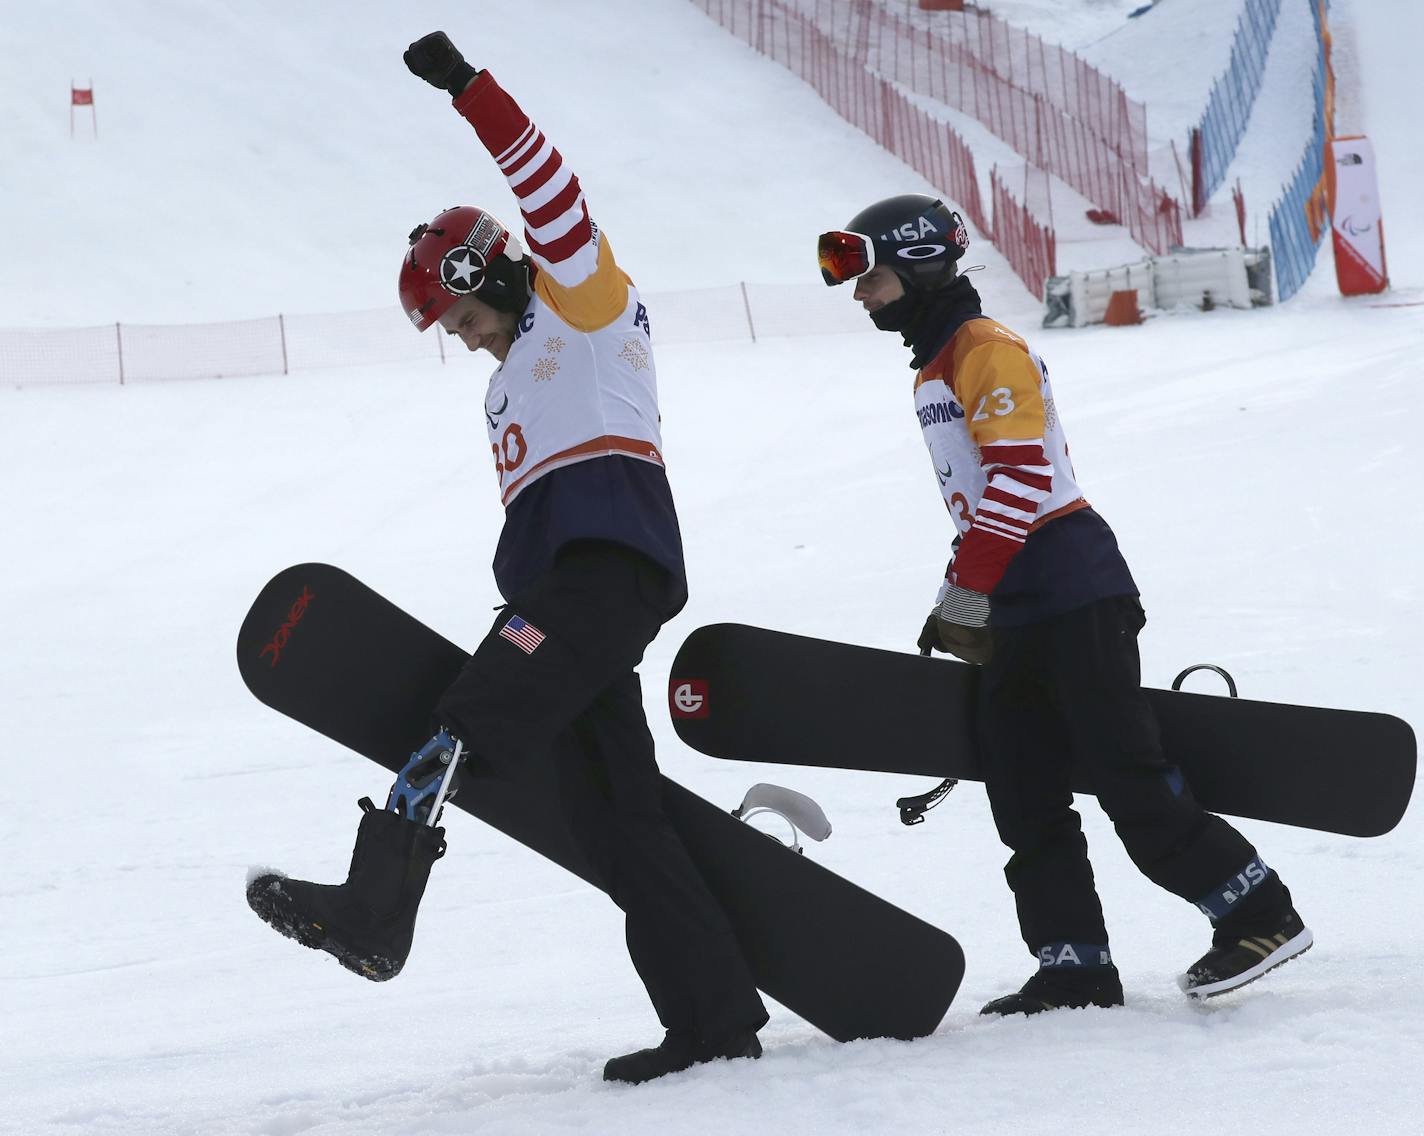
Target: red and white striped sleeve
x,y
560,236
1000,391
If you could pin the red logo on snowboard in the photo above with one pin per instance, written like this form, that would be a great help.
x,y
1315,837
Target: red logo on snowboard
x,y
687,697
284,633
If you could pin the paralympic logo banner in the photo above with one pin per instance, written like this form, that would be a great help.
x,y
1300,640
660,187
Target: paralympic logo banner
x,y
1357,227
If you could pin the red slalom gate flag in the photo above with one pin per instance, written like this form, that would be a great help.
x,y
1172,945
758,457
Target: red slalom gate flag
x,y
82,97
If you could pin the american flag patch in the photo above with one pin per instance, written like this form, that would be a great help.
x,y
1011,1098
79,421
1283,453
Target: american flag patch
x,y
522,634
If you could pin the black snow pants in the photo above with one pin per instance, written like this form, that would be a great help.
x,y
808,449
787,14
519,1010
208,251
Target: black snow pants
x,y
574,702
1066,692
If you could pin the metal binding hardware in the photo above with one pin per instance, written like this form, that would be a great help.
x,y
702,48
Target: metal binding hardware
x,y
1230,682
913,809
451,760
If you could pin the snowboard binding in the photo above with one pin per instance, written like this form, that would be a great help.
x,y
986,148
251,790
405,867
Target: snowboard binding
x,y
913,809
796,809
1222,671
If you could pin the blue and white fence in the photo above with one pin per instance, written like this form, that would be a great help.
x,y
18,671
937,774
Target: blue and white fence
x,y
1228,107
1300,219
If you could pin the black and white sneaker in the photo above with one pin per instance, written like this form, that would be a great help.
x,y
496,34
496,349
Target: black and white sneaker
x,y
1236,959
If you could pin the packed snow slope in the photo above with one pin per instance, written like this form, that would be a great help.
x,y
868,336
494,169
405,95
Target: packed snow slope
x,y
1256,466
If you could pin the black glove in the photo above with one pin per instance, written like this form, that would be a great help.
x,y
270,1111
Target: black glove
x,y
439,62
972,644
929,637
958,626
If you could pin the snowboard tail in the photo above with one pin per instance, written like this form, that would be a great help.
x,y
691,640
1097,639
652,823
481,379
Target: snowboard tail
x,y
327,651
750,694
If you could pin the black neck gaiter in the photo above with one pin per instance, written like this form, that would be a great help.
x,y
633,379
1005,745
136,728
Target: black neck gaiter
x,y
937,316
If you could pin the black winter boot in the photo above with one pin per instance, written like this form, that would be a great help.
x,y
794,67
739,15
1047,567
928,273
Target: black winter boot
x,y
679,1050
1063,986
368,922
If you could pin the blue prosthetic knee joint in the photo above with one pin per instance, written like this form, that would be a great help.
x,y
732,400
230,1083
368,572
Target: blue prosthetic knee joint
x,y
427,780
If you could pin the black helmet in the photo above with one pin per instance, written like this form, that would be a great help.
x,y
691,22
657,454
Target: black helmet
x,y
917,237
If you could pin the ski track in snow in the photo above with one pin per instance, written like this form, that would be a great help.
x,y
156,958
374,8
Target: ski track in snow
x,y
1252,464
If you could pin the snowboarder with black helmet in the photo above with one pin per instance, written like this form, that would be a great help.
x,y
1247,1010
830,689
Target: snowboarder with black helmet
x,y
1038,593
590,561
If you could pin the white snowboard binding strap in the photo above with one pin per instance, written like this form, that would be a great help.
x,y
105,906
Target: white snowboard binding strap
x,y
798,810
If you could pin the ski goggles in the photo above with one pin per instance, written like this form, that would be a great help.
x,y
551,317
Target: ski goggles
x,y
844,256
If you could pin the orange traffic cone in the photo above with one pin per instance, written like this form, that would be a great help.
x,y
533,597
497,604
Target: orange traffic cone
x,y
1122,309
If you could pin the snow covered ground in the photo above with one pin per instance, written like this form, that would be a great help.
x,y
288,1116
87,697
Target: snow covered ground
x,y
1255,466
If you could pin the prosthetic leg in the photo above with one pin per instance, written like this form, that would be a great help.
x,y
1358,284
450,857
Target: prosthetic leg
x,y
368,922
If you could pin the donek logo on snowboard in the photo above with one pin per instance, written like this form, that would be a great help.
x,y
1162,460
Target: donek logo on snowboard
x,y
278,643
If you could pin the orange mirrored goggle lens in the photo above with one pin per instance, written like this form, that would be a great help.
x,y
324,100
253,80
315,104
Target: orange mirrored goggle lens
x,y
844,256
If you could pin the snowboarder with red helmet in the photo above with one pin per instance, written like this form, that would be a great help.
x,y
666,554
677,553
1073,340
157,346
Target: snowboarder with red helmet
x,y
463,252
590,563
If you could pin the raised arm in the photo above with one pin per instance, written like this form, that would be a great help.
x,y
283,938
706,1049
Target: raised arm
x,y
578,276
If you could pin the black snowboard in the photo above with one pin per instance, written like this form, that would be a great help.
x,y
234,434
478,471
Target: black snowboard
x,y
323,648
756,695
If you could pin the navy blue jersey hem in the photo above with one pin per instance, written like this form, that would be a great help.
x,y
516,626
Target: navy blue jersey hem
x,y
616,499
1067,564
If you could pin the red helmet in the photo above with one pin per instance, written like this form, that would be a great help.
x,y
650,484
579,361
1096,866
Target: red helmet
x,y
462,252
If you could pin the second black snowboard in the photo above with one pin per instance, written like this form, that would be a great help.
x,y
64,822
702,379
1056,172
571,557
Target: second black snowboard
x,y
324,649
757,695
